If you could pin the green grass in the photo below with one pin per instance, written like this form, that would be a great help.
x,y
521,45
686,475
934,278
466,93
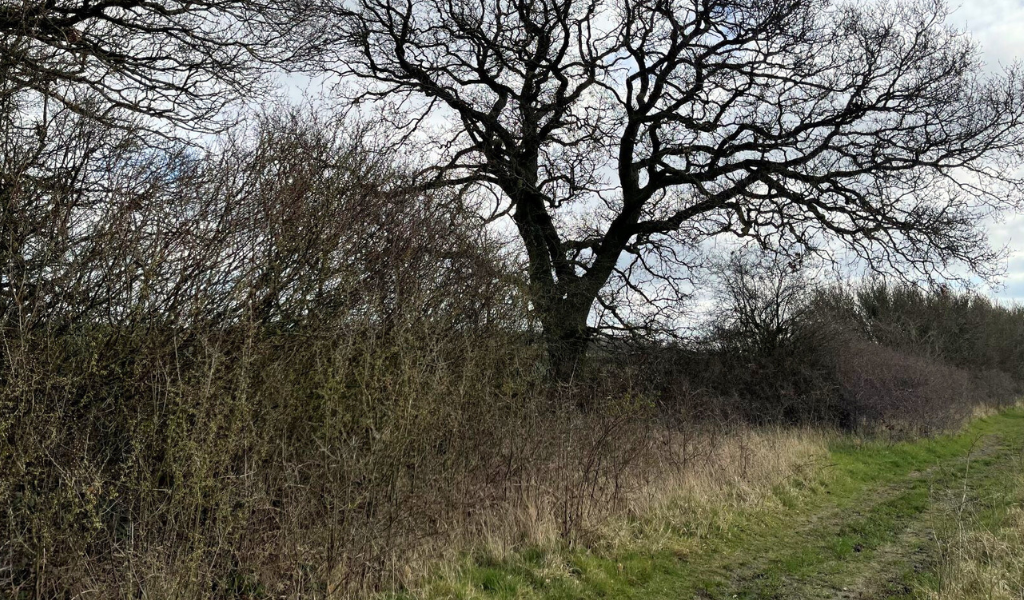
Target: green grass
x,y
864,521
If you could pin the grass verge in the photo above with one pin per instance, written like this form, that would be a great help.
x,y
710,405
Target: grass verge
x,y
801,515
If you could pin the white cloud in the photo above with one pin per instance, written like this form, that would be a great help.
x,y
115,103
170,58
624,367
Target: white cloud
x,y
998,26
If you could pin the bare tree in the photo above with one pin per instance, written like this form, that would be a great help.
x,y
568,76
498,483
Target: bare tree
x,y
760,303
619,135
179,61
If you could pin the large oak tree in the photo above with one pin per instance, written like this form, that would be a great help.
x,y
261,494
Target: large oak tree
x,y
620,133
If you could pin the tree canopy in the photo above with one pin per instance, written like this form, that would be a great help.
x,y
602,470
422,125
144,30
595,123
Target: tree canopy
x,y
620,135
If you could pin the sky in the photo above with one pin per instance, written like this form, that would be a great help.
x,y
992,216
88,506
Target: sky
x,y
998,27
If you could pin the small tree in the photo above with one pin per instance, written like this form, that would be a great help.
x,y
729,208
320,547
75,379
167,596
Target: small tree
x,y
760,306
620,135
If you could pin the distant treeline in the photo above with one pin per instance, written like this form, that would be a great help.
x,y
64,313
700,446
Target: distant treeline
x,y
874,354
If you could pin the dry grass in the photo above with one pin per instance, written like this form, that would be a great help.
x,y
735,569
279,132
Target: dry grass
x,y
981,561
986,564
743,469
704,480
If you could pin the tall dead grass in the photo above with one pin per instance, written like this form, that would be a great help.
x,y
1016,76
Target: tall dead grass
x,y
979,560
985,564
690,488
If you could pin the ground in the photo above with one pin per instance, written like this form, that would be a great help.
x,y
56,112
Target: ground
x,y
871,522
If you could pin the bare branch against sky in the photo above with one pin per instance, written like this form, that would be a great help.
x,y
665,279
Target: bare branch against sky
x,y
998,26
622,135
180,64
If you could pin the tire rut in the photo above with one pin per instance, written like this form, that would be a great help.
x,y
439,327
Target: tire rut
x,y
868,573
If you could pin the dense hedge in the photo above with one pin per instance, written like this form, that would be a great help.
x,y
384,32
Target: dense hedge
x,y
276,371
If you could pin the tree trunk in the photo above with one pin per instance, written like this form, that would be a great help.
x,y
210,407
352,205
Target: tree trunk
x,y
566,337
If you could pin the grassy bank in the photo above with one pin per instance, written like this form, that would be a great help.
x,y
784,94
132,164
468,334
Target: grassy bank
x,y
808,517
